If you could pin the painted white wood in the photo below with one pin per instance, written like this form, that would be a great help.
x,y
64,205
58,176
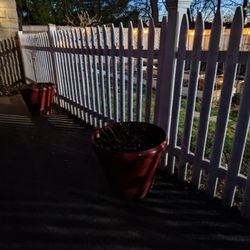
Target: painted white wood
x,y
160,69
90,75
66,71
76,76
11,58
58,70
130,71
28,58
79,69
13,61
82,72
122,72
210,76
70,71
239,144
191,98
114,73
168,73
4,61
225,101
139,72
8,73
41,66
151,39
75,79
107,70
20,39
222,172
49,60
62,60
8,63
95,76
101,75
86,87
61,89
177,92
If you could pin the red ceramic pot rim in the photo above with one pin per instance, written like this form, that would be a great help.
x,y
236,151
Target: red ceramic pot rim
x,y
162,144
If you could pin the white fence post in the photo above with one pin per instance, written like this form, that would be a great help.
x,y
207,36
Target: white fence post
x,y
165,84
19,35
177,93
51,34
165,81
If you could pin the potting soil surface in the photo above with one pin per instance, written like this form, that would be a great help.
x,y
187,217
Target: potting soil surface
x,y
53,195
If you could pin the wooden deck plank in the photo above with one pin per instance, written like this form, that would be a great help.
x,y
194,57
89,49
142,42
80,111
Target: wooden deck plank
x,y
54,196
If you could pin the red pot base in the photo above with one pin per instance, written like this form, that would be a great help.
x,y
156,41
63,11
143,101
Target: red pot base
x,y
130,174
39,100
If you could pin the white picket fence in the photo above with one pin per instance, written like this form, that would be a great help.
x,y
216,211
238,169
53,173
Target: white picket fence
x,y
100,80
245,41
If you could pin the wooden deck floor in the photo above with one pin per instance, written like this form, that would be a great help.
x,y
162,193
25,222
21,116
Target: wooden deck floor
x,y
53,195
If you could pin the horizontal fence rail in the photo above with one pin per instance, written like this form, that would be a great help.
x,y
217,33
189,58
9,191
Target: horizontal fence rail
x,y
10,72
104,74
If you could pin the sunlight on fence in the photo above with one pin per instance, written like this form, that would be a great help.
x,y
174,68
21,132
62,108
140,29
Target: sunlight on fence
x,y
10,73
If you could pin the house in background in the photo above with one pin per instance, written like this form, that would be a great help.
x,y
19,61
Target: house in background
x,y
8,19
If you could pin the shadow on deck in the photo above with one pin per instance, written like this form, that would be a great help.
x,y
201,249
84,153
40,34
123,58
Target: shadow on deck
x,y
53,196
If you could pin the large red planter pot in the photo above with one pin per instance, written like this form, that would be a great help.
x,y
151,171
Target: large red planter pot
x,y
130,173
39,98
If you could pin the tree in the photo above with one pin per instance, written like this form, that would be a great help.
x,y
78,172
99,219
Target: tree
x,y
61,11
155,11
208,8
150,9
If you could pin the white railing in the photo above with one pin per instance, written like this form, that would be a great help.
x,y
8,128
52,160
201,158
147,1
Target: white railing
x,y
10,72
100,80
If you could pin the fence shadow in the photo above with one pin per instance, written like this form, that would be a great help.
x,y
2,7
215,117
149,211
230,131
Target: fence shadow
x,y
54,196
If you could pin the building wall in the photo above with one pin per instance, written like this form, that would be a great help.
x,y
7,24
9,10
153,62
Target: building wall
x,y
8,18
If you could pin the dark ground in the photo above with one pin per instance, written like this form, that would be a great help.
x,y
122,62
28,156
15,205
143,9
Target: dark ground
x,y
53,195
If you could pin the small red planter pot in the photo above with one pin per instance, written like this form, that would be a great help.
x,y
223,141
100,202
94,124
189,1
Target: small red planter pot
x,y
39,97
129,153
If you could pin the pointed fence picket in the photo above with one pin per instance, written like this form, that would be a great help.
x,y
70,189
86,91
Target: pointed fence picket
x,y
239,144
177,94
210,75
130,72
225,101
101,78
149,77
122,72
86,88
101,73
192,90
107,72
114,73
95,77
139,73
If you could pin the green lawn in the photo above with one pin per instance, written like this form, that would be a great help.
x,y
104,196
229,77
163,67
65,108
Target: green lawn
x,y
211,133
